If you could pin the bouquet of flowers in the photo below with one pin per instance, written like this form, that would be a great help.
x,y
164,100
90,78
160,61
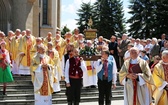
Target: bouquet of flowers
x,y
88,51
89,54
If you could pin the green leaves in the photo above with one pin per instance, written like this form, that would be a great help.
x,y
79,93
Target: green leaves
x,y
107,16
88,51
149,18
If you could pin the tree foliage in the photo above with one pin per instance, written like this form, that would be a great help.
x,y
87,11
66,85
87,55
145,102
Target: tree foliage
x,y
107,16
149,18
84,14
64,30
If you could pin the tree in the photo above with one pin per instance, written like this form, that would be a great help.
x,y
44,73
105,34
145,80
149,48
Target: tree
x,y
119,19
109,17
84,13
161,18
64,30
142,20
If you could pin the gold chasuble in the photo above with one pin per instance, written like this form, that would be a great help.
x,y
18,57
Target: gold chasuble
x,y
43,78
60,47
24,47
160,76
8,43
140,90
57,63
14,47
46,88
46,40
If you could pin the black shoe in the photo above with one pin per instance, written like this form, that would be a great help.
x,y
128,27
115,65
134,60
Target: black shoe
x,y
4,93
69,103
93,86
76,103
56,92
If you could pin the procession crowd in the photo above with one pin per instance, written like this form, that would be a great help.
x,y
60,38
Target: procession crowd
x,y
142,65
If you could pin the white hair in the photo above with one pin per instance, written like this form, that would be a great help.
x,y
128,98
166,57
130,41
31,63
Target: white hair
x,y
39,38
42,46
105,48
18,30
134,48
67,33
50,43
155,40
164,53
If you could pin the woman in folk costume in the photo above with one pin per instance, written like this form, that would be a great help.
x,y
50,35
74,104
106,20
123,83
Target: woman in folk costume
x,y
25,45
136,77
42,66
5,72
160,76
53,54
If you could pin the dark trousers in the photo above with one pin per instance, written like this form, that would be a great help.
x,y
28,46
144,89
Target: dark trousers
x,y
116,57
104,88
121,61
74,91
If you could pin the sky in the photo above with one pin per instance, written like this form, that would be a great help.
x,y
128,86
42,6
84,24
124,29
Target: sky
x,y
69,9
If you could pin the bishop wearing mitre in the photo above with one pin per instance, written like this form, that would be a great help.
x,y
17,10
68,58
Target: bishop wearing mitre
x,y
42,66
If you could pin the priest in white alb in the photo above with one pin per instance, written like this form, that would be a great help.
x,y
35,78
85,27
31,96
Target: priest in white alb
x,y
25,46
43,79
136,83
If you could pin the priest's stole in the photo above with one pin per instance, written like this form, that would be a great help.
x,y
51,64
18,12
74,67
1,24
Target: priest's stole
x,y
90,70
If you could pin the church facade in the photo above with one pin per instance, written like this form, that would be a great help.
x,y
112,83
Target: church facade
x,y
40,16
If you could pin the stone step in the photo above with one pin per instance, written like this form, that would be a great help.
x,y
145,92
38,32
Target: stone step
x,y
17,77
24,89
31,90
23,86
20,92
54,100
57,95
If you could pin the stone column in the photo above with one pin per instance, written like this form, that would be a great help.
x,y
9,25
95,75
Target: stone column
x,y
58,13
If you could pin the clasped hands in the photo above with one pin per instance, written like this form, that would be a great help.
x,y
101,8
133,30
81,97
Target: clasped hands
x,y
132,76
22,54
44,65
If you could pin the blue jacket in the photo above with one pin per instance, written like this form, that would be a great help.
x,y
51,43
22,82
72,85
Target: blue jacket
x,y
110,71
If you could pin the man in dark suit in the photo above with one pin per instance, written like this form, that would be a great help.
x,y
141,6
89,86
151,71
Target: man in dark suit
x,y
113,49
161,43
122,48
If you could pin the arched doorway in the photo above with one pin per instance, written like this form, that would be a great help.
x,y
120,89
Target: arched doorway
x,y
5,12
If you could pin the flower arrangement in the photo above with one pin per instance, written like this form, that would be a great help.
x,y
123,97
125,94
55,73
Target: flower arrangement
x,y
89,54
88,51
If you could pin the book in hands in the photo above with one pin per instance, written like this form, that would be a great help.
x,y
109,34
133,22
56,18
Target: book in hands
x,y
136,69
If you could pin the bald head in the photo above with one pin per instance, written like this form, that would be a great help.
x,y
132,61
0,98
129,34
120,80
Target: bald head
x,y
134,52
28,32
17,32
